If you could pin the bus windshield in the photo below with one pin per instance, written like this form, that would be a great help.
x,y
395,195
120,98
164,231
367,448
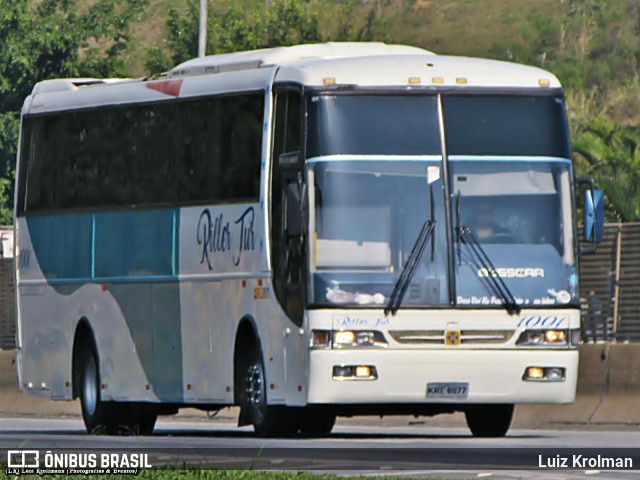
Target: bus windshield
x,y
365,218
521,214
376,176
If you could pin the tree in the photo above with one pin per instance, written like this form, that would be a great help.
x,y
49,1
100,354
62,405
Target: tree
x,y
237,25
611,155
49,39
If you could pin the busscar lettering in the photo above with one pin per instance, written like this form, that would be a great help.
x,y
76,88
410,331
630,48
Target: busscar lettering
x,y
214,235
520,272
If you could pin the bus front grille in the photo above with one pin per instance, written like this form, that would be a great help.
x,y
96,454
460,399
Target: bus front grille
x,y
437,337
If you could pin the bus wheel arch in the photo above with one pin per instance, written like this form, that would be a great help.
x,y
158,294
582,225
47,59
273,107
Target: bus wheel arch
x,y
97,414
250,391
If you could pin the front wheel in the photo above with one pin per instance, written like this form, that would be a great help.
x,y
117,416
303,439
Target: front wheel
x,y
489,420
316,422
267,420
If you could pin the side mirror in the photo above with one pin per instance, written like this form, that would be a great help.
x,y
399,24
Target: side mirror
x,y
594,216
293,222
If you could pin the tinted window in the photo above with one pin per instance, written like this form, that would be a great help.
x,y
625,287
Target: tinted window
x,y
506,125
206,150
372,124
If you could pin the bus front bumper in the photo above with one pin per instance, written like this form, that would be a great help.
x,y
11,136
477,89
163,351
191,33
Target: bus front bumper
x,y
491,376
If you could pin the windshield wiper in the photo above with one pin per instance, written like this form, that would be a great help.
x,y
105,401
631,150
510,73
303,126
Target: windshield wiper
x,y
409,269
465,236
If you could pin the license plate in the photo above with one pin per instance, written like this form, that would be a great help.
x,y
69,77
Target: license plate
x,y
447,390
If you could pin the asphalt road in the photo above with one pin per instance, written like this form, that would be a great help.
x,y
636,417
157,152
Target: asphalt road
x,y
408,451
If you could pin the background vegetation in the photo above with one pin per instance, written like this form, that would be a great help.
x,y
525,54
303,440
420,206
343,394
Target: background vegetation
x,y
593,46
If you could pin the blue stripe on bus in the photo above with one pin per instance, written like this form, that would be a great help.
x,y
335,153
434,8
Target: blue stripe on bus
x,y
62,244
113,246
491,158
136,243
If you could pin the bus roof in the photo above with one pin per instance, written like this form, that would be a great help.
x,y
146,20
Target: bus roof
x,y
375,65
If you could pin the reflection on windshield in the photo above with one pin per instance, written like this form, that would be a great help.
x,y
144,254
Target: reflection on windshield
x,y
366,216
521,214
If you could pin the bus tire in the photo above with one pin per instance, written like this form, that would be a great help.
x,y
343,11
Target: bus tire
x,y
267,420
138,419
98,416
489,420
315,422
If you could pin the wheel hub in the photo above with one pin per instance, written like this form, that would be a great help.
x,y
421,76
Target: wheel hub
x,y
255,381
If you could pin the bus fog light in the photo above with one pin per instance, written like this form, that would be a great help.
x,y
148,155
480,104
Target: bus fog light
x,y
544,374
534,373
354,372
554,374
342,371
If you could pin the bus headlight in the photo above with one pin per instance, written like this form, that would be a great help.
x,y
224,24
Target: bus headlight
x,y
358,338
347,339
531,338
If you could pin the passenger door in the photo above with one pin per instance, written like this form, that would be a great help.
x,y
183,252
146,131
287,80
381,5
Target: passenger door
x,y
289,235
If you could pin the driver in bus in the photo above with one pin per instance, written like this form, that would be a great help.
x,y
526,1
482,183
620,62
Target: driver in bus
x,y
483,225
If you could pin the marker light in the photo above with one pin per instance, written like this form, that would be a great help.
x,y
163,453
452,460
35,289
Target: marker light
x,y
320,338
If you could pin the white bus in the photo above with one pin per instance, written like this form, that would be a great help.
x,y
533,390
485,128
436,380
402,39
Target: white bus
x,y
304,232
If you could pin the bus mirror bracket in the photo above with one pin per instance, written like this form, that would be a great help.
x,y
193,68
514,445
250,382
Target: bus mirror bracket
x,y
294,217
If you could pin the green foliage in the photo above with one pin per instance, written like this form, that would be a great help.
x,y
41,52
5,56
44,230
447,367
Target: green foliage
x,y
611,155
237,25
593,46
49,39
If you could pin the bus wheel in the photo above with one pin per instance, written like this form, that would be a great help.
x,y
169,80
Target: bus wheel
x,y
317,422
489,420
97,415
267,420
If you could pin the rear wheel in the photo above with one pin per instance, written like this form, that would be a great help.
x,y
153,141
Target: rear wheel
x,y
97,415
136,419
110,418
489,420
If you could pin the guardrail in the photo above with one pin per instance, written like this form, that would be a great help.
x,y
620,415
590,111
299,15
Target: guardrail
x,y
610,287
